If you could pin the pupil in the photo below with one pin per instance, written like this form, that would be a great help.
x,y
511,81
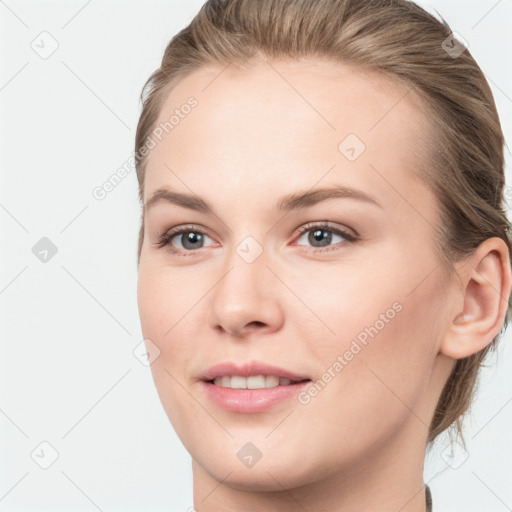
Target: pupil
x,y
317,236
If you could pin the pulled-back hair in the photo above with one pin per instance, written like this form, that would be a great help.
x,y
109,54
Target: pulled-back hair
x,y
397,38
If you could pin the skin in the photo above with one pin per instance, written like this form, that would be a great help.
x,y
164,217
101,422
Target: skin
x,y
360,443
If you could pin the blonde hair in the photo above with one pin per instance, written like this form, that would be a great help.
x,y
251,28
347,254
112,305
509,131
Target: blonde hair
x,y
402,41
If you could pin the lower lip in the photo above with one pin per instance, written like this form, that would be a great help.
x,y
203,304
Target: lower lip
x,y
251,400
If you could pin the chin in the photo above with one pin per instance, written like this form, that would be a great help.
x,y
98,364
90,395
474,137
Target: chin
x,y
272,474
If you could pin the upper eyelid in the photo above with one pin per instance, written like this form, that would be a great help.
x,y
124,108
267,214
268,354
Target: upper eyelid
x,y
327,225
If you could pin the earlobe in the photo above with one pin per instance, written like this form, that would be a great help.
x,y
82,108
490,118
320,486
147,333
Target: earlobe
x,y
486,284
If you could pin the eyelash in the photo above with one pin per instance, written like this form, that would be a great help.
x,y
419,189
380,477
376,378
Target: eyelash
x,y
165,239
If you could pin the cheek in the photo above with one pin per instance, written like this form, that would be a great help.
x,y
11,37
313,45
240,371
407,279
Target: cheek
x,y
171,308
346,303
380,342
164,297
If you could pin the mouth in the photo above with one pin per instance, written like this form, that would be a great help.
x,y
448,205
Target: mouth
x,y
253,387
251,375
253,381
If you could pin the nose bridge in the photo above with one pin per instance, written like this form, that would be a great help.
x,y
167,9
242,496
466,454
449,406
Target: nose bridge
x,y
246,270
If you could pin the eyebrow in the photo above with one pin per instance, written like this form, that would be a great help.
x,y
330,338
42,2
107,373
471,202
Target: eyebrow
x,y
295,201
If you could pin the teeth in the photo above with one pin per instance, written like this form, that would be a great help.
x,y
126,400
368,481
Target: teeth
x,y
252,382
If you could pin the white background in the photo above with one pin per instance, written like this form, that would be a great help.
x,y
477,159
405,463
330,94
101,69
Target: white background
x,y
68,374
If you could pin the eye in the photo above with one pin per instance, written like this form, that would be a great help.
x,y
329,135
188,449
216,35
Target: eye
x,y
321,235
189,238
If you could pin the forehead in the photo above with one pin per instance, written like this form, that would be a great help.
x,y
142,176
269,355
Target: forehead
x,y
286,123
333,95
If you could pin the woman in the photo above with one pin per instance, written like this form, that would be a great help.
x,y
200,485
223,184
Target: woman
x,y
324,255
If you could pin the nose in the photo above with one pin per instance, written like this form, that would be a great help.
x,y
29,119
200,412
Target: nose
x,y
246,298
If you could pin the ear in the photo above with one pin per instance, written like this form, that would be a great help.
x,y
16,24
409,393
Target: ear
x,y
486,283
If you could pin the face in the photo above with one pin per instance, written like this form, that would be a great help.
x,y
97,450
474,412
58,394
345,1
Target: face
x,y
345,290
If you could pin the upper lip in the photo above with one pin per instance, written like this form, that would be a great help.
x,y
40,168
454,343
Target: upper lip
x,y
248,369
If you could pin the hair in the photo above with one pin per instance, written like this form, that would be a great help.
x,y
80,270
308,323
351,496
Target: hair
x,y
403,42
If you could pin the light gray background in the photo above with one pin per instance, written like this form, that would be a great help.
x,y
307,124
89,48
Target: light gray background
x,y
68,375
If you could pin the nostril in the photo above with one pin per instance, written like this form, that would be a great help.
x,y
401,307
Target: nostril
x,y
256,323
